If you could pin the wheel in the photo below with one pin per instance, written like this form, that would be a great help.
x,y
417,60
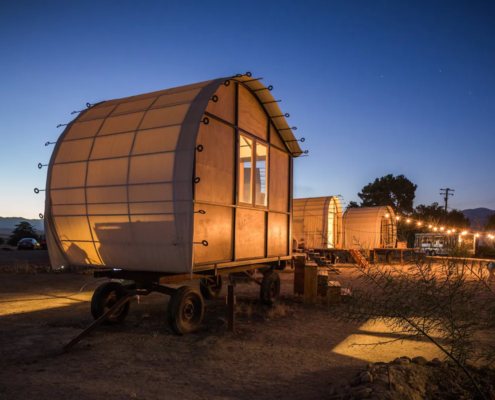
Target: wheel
x,y
270,288
185,310
104,298
210,287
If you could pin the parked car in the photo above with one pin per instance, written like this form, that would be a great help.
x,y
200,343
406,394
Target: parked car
x,y
28,243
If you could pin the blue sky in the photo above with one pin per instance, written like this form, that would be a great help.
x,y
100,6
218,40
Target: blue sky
x,y
375,87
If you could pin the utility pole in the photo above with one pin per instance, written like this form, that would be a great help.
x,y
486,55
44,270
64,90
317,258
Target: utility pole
x,y
446,194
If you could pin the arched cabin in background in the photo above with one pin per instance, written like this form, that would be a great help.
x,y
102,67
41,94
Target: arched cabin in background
x,y
317,222
139,183
368,228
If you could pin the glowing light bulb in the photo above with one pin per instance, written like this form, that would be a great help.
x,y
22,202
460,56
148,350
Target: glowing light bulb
x,y
435,229
397,218
441,228
419,223
386,215
430,226
448,231
465,232
477,235
453,230
408,220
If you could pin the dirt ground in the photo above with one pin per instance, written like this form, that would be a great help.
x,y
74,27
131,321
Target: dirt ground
x,y
292,351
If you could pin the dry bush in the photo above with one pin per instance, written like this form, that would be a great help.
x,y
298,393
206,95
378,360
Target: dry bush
x,y
450,303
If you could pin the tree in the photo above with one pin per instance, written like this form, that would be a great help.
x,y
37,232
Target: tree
x,y
490,225
352,204
436,214
22,230
395,191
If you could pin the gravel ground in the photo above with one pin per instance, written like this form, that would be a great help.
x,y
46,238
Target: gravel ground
x,y
291,351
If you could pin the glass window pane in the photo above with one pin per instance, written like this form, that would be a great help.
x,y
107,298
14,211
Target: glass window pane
x,y
245,169
261,174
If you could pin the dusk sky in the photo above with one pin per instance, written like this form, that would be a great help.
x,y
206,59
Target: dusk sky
x,y
375,87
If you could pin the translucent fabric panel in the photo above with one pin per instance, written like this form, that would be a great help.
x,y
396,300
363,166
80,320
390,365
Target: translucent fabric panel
x,y
99,112
77,150
107,209
250,233
278,227
114,236
275,138
279,181
69,196
245,170
153,229
111,229
132,106
122,123
252,117
181,97
152,168
68,175
152,208
86,129
156,140
69,210
134,98
108,172
215,226
155,244
215,164
72,228
113,194
164,116
224,108
112,146
188,87
81,253
163,191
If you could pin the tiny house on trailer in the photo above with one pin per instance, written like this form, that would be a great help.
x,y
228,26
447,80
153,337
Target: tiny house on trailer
x,y
194,181
441,244
368,228
317,222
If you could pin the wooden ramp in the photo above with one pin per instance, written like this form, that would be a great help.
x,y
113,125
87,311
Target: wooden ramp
x,y
358,257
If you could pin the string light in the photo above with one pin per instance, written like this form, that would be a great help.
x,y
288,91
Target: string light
x,y
442,229
387,215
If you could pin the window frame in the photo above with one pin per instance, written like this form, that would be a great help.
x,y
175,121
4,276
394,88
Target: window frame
x,y
255,140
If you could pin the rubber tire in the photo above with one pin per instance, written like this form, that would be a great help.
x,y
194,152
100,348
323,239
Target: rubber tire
x,y
210,292
270,288
99,302
185,296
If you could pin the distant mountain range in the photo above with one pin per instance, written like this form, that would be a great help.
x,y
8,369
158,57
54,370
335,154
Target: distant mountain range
x,y
10,223
478,216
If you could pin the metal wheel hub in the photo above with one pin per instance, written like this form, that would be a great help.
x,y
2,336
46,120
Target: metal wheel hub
x,y
188,311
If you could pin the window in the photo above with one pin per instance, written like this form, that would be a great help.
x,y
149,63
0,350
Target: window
x,y
261,163
245,169
253,164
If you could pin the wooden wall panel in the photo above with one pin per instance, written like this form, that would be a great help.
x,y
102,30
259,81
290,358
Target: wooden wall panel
x,y
278,227
250,233
275,138
224,108
279,181
252,117
215,226
215,164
